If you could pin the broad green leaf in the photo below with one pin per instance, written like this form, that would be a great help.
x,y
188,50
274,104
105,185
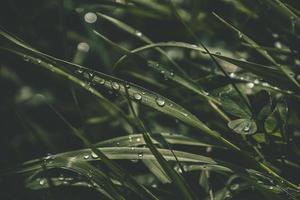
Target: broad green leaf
x,y
234,105
243,126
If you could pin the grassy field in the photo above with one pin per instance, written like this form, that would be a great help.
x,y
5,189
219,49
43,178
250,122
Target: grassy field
x,y
150,99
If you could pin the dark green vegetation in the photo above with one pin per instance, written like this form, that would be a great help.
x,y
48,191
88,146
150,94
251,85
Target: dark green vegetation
x,y
150,99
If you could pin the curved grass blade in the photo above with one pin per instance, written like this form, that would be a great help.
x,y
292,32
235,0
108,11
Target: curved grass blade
x,y
290,75
267,72
139,35
177,79
138,140
177,179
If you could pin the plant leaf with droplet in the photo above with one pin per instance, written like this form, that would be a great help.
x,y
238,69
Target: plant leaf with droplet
x,y
243,126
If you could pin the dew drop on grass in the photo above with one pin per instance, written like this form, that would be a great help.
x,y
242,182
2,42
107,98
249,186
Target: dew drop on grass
x,y
138,33
42,182
205,93
102,81
115,85
160,102
240,34
83,46
79,71
250,85
127,85
137,96
185,114
278,45
86,156
138,139
265,84
232,75
39,61
234,187
94,155
26,58
90,17
61,178
247,128
140,155
256,81
172,74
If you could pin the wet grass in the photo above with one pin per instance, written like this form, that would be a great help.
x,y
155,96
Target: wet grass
x,y
150,100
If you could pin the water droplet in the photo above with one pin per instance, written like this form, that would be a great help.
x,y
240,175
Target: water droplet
x,y
140,155
205,93
154,185
171,74
265,84
137,96
234,187
48,156
42,182
160,102
250,85
232,75
94,155
271,187
83,46
138,139
138,33
26,58
162,71
240,34
39,61
246,128
115,85
278,45
256,81
79,71
90,17
86,156
61,178
127,85
185,114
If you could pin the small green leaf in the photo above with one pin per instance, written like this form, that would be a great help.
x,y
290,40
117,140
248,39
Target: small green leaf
x,y
234,105
270,124
243,126
259,137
